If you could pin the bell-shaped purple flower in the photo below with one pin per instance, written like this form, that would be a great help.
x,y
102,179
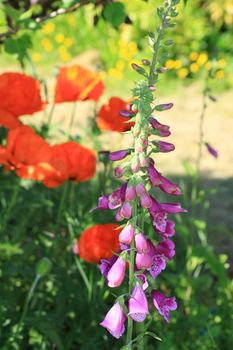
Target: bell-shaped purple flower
x,y
106,264
140,189
164,304
142,277
119,155
166,248
145,201
116,273
211,150
154,176
126,235
138,305
130,193
156,125
169,230
169,187
143,261
165,146
172,208
126,211
116,199
114,321
141,243
163,107
158,261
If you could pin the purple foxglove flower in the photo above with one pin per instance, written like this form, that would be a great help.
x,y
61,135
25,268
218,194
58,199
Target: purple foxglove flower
x,y
116,273
124,246
130,194
114,321
163,107
158,216
135,165
211,150
119,155
140,189
102,203
119,171
158,262
116,199
154,176
169,187
125,114
143,159
169,230
166,248
145,201
156,125
126,211
142,277
126,235
143,261
163,304
158,265
138,305
106,264
141,243
118,216
172,208
165,146
164,133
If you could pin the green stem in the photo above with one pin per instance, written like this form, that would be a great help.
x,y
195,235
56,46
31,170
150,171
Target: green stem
x,y
72,118
84,277
50,115
10,206
26,305
61,206
131,274
156,46
201,132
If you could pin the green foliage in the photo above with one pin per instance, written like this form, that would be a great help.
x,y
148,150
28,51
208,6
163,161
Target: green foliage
x,y
114,13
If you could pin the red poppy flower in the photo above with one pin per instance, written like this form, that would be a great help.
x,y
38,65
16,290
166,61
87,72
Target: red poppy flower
x,y
19,94
109,117
76,83
27,153
70,161
99,242
8,120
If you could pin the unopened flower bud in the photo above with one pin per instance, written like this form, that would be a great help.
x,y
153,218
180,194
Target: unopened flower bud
x,y
125,114
163,107
130,193
119,155
135,165
143,160
126,211
126,234
165,146
152,88
140,189
136,130
141,243
145,62
119,171
145,201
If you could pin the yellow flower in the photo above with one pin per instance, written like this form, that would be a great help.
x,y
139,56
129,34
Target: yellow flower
x,y
194,68
48,28
208,65
193,56
120,65
202,59
177,64
68,42
169,64
220,74
65,56
113,72
122,43
62,49
59,38
71,20
46,43
132,47
222,63
36,57
182,73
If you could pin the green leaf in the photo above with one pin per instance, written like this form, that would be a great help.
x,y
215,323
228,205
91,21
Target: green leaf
x,y
12,12
18,46
114,13
27,14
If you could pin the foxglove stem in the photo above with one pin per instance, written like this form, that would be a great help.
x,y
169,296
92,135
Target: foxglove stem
x,y
156,46
131,273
